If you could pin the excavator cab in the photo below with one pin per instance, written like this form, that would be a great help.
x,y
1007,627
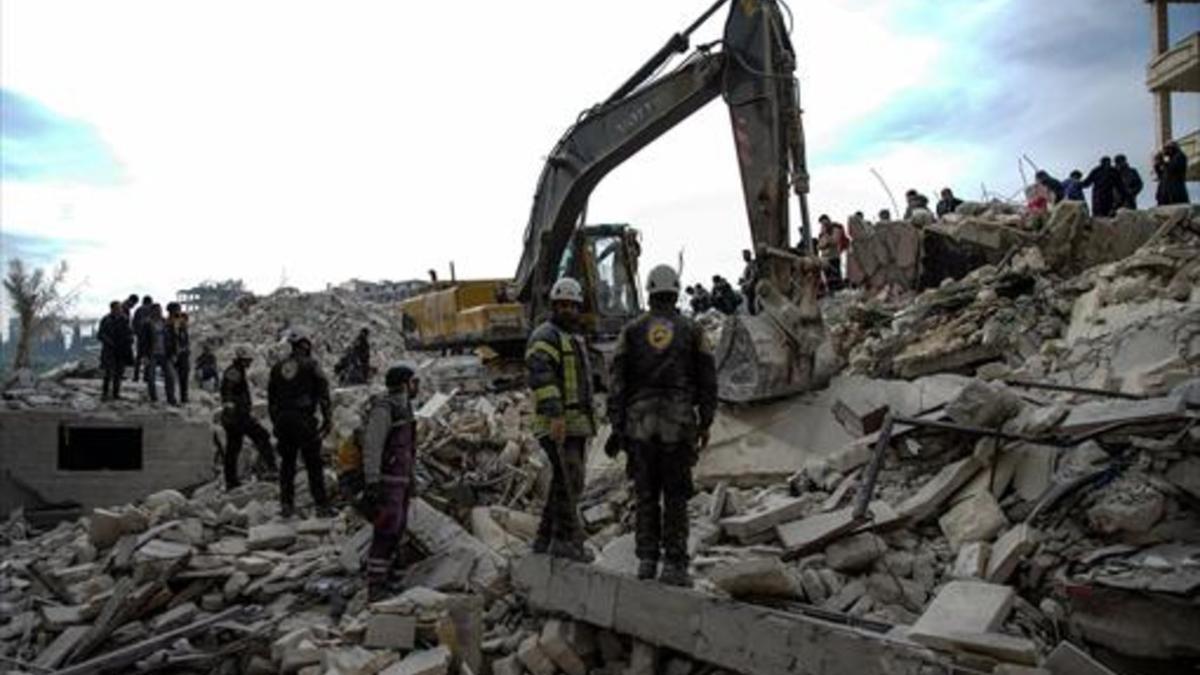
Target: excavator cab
x,y
604,260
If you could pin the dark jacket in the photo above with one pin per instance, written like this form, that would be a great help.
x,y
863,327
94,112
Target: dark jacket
x,y
946,206
236,402
560,376
1131,180
116,340
152,338
1172,179
1055,187
664,379
298,385
178,342
1108,192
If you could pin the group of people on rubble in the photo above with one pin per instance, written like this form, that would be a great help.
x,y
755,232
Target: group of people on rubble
x,y
142,337
722,298
1116,184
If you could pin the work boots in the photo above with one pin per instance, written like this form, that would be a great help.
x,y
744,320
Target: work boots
x,y
675,574
647,569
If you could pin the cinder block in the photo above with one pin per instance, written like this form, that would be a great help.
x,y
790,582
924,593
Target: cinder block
x,y
390,631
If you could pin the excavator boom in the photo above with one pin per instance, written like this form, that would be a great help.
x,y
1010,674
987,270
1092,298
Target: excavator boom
x,y
759,356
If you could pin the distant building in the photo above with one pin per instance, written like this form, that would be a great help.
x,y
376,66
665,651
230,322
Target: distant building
x,y
1173,70
210,295
383,291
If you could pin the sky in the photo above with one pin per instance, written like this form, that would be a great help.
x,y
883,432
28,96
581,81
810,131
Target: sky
x,y
155,144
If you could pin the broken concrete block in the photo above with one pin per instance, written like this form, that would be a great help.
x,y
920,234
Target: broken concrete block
x,y
814,587
174,618
59,617
536,660
105,528
555,645
354,660
643,659
425,662
765,577
984,404
271,536
747,526
1127,506
390,631
598,515
302,654
52,656
977,518
254,565
972,560
925,502
1093,415
438,533
815,531
862,420
1012,547
1067,659
237,582
962,607
1034,470
508,665
854,553
846,596
1185,475
1018,650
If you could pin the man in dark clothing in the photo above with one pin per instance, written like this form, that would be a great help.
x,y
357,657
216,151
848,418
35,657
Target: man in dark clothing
x,y
1051,183
355,365
154,336
749,280
914,201
699,299
129,306
296,390
560,375
1131,180
140,316
179,348
1108,191
389,449
1073,187
237,416
948,204
724,298
116,349
207,373
661,404
1170,168
885,216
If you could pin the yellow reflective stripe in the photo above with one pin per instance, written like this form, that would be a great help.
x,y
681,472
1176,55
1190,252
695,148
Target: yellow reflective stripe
x,y
547,392
545,348
570,372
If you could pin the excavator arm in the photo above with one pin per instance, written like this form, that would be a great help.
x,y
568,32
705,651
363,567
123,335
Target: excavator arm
x,y
761,356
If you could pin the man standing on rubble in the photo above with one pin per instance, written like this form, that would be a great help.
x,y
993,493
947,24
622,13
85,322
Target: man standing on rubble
x,y
1131,180
662,402
296,390
1170,169
179,348
237,416
560,376
140,317
154,337
948,203
389,449
116,349
831,244
1108,192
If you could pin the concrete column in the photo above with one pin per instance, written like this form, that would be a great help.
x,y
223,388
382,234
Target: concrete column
x,y
1160,43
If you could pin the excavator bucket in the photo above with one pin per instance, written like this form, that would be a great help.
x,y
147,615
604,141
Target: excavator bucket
x,y
773,352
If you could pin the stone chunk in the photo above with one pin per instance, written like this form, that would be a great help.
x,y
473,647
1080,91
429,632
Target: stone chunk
x,y
426,662
534,657
1093,415
766,577
390,631
53,655
983,404
271,535
1067,659
254,565
1186,476
972,560
1008,552
747,526
938,489
962,607
105,526
174,618
1127,507
555,645
1019,650
508,665
977,518
816,531
854,553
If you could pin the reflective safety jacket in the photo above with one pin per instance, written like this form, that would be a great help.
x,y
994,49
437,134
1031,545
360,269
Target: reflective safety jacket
x,y
561,379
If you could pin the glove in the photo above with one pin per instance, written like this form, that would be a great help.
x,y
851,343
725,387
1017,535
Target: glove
x,y
370,501
614,445
702,440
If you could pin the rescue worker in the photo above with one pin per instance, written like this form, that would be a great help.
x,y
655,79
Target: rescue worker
x,y
116,350
206,368
662,402
141,316
154,336
389,448
355,365
237,416
297,389
561,379
179,348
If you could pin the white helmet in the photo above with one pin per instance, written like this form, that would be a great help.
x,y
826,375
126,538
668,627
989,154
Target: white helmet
x,y
243,352
662,279
568,290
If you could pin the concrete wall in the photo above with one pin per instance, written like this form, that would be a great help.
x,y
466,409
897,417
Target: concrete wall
x,y
175,454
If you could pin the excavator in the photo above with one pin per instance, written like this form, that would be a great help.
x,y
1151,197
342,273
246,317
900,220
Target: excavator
x,y
762,355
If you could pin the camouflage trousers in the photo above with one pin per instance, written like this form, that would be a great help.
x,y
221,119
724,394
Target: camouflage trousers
x,y
662,482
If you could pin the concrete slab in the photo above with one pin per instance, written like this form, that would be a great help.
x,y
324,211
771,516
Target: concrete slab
x,y
976,518
816,531
962,607
925,502
1093,415
1067,659
1008,552
747,526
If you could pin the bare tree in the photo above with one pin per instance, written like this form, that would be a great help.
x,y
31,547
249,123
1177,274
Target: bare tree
x,y
39,302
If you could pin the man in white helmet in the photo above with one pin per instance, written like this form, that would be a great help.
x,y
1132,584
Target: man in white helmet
x,y
561,380
661,404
